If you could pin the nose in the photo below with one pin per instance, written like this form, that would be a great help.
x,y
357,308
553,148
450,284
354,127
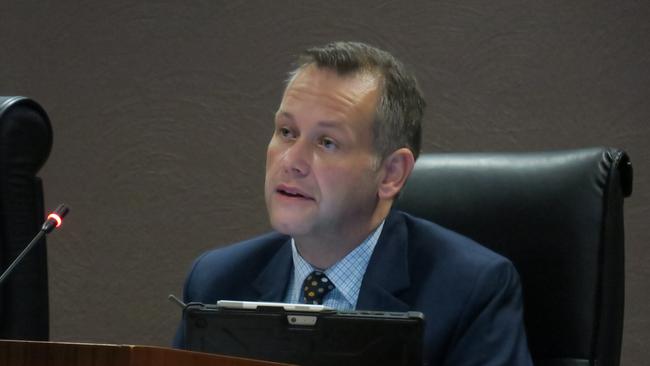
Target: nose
x,y
296,159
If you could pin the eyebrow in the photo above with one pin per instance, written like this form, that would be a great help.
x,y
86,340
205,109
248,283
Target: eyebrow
x,y
323,123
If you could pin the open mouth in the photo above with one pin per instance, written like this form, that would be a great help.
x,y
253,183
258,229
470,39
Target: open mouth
x,y
288,192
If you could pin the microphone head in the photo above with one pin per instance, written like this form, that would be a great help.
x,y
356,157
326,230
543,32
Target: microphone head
x,y
61,210
55,218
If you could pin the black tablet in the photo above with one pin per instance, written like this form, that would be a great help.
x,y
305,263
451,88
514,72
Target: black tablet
x,y
304,334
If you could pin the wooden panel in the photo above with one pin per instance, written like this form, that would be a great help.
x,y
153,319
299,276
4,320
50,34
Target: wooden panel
x,y
27,353
160,356
21,353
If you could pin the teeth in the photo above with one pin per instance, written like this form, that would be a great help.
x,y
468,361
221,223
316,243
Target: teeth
x,y
291,194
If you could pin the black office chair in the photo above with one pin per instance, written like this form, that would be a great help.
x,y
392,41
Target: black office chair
x,y
25,143
558,216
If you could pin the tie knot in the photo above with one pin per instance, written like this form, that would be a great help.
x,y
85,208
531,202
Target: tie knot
x,y
315,287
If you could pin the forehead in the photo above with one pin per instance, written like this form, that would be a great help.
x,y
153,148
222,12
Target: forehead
x,y
328,77
322,89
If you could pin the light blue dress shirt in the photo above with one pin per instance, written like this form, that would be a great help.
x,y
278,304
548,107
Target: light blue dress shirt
x,y
345,274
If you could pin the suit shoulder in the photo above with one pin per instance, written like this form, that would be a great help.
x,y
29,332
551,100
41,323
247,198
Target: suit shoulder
x,y
242,252
240,260
441,244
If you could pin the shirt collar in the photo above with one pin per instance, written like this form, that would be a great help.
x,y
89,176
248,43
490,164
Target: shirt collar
x,y
346,274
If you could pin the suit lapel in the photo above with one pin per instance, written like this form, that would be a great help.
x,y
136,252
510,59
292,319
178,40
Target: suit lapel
x,y
271,284
386,277
387,274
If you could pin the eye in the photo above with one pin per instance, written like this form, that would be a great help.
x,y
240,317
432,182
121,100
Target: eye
x,y
328,143
285,132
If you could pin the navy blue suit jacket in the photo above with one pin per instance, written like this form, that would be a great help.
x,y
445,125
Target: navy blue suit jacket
x,y
470,296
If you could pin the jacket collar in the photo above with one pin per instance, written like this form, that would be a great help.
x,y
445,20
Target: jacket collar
x,y
271,283
387,274
386,277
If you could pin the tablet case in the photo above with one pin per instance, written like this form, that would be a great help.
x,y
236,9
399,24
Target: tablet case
x,y
306,338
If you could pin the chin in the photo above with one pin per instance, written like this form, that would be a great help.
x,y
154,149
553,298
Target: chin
x,y
289,226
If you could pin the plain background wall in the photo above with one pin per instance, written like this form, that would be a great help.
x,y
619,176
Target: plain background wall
x,y
162,112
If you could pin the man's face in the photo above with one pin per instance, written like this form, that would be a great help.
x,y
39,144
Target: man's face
x,y
321,167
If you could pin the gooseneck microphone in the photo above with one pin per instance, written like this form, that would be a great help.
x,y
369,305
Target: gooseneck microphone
x,y
53,221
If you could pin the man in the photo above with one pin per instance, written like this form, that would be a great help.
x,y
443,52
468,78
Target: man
x,y
346,137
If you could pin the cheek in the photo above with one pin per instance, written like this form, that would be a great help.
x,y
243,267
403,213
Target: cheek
x,y
270,158
271,155
339,182
354,183
268,177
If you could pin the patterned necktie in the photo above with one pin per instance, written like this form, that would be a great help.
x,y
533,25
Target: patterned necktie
x,y
315,287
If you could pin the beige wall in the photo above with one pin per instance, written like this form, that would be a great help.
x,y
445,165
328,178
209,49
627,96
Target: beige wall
x,y
161,114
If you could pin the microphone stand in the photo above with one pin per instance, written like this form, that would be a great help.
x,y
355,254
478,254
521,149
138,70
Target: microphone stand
x,y
53,221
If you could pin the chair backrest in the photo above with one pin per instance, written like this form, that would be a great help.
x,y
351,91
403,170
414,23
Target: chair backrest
x,y
25,143
558,216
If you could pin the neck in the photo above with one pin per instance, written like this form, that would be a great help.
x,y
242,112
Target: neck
x,y
324,250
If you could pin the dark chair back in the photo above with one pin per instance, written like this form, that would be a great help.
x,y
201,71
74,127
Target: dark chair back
x,y
25,143
558,216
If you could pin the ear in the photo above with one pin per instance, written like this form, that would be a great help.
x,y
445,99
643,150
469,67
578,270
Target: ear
x,y
396,169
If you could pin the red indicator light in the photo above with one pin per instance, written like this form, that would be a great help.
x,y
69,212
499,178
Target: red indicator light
x,y
56,218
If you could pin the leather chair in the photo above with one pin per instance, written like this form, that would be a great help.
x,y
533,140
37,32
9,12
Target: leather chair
x,y
25,143
558,216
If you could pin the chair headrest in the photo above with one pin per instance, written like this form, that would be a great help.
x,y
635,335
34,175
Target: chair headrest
x,y
25,132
